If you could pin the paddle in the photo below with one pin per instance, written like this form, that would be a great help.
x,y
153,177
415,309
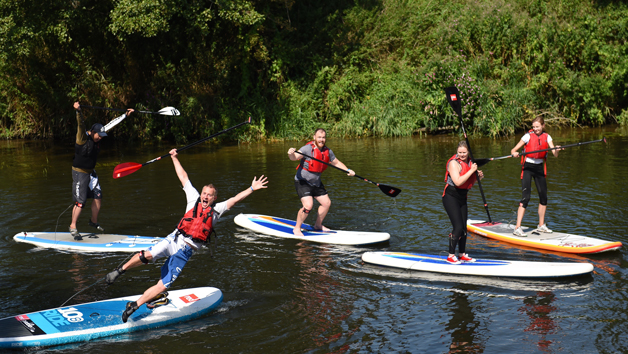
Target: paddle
x,y
166,111
125,169
482,162
388,190
453,97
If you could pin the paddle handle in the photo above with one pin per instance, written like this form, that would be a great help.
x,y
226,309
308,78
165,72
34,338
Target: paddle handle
x,y
120,109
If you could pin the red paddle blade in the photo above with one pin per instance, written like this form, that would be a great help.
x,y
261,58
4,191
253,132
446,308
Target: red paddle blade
x,y
389,191
125,169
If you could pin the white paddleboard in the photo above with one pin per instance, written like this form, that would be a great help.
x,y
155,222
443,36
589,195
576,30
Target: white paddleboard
x,y
90,242
482,267
555,241
274,226
84,322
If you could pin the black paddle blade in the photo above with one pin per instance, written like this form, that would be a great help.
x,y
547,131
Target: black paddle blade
x,y
453,97
389,191
482,162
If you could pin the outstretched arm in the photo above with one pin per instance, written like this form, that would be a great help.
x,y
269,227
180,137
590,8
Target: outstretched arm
x,y
255,185
339,164
183,176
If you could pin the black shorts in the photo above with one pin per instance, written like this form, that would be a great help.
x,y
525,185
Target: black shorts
x,y
304,189
80,187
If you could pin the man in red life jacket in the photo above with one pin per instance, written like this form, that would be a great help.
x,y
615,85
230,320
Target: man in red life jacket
x,y
308,179
192,231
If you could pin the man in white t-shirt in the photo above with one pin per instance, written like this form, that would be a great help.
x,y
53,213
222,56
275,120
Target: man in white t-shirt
x,y
194,229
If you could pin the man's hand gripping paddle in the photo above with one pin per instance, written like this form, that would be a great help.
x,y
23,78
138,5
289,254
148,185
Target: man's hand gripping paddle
x,y
125,169
388,190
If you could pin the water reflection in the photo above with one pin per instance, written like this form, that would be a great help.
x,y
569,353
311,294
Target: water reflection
x,y
463,324
318,296
539,310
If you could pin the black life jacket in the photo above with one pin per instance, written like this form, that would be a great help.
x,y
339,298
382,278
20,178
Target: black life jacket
x,y
85,155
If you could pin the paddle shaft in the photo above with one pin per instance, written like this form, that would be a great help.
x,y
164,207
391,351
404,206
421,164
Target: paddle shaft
x,y
119,109
388,190
554,148
198,142
453,97
338,168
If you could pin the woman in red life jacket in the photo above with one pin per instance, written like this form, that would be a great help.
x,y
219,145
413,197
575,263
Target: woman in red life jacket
x,y
307,180
460,177
533,166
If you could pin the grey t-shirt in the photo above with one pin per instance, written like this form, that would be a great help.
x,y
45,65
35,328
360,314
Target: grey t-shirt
x,y
312,178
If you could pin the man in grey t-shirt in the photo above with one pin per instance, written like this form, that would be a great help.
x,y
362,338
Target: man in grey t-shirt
x,y
307,180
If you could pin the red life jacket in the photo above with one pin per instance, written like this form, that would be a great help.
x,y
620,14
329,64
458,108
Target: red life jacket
x,y
465,168
195,225
537,142
313,165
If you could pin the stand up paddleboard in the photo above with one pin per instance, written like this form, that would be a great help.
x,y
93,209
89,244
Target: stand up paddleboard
x,y
555,241
84,322
483,267
273,226
90,242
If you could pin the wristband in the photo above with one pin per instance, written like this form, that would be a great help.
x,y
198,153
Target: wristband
x,y
252,189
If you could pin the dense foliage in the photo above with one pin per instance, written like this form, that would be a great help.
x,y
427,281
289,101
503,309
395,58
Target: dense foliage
x,y
358,68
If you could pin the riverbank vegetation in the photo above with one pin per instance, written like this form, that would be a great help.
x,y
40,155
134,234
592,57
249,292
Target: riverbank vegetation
x,y
357,68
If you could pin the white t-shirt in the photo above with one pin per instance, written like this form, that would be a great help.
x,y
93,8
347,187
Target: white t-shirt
x,y
192,195
526,139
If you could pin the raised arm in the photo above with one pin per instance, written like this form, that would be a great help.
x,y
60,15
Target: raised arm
x,y
81,137
183,176
293,155
255,185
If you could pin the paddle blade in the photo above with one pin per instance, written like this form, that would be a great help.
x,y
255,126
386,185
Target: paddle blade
x,y
453,97
125,169
389,191
169,111
482,162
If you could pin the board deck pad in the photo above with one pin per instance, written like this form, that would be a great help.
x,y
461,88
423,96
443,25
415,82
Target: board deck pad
x,y
481,267
555,241
90,243
84,322
280,227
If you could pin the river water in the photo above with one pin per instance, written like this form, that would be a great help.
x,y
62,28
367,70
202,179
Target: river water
x,y
287,296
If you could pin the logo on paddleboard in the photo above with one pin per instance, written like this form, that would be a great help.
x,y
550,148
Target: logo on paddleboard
x,y
63,317
453,97
189,298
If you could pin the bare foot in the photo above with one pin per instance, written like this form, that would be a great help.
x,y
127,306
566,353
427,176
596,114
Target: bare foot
x,y
297,232
321,228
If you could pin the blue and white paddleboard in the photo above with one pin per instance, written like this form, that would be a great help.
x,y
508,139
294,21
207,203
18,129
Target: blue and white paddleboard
x,y
84,322
482,267
274,226
90,243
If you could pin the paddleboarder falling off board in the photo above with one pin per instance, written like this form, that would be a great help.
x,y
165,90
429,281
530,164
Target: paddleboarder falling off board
x,y
460,177
533,166
307,180
84,178
193,231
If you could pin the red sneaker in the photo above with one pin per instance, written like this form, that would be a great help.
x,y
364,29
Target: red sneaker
x,y
466,258
453,260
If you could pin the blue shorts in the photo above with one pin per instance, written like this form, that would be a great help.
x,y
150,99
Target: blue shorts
x,y
178,252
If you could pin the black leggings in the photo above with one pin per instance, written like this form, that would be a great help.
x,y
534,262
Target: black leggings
x,y
455,203
536,171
